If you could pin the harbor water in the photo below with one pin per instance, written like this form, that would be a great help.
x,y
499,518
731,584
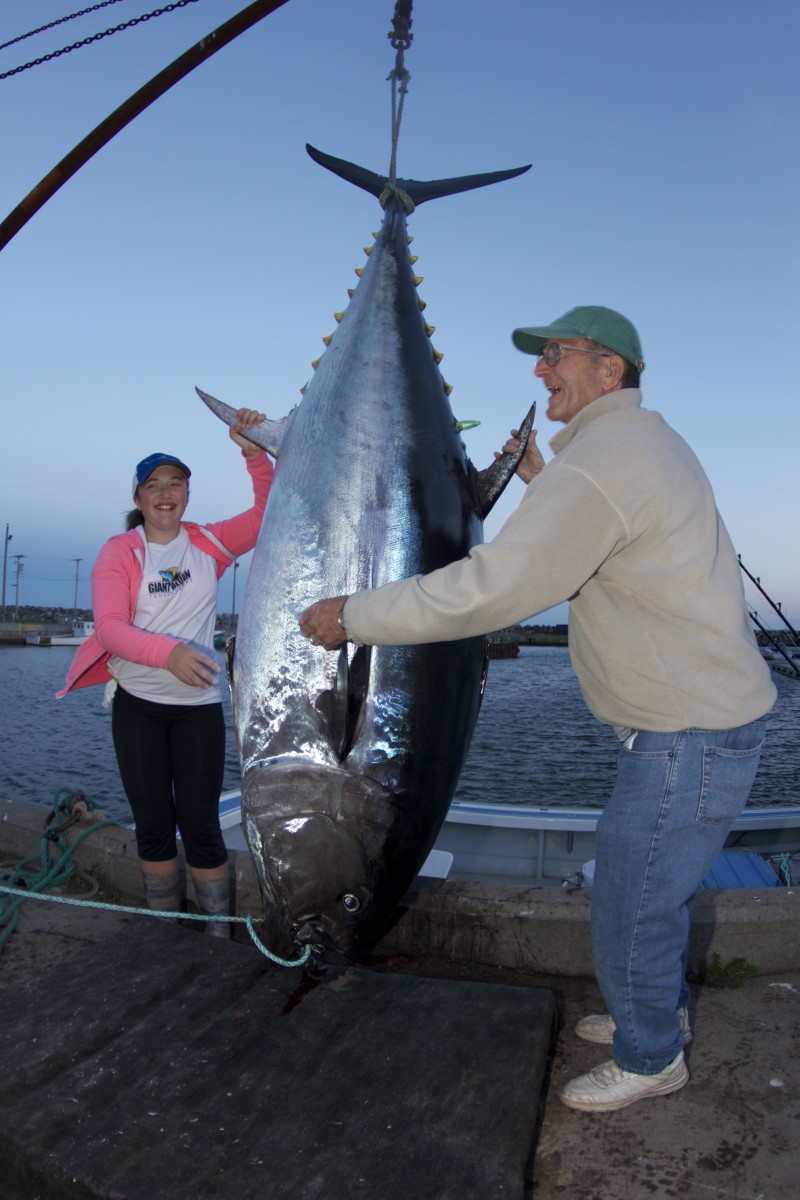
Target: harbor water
x,y
535,741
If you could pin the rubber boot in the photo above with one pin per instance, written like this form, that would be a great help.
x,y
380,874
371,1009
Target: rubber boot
x,y
162,892
214,899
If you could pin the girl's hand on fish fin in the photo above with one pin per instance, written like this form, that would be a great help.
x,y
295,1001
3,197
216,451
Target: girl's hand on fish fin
x,y
321,625
531,462
192,666
246,417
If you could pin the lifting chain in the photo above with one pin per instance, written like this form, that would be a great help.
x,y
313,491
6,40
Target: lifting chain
x,y
60,21
158,12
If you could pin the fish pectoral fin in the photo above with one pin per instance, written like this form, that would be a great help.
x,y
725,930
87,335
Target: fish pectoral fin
x,y
358,669
493,480
342,705
269,435
230,651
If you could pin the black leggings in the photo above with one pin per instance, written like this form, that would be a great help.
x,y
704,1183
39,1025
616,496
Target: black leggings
x,y
171,760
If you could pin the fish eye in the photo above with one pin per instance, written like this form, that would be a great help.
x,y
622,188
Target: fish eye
x,y
350,903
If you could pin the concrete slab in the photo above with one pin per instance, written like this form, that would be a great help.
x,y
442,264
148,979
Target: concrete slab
x,y
163,1062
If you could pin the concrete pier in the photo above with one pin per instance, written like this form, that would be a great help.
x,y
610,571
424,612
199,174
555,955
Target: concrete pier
x,y
731,1132
543,929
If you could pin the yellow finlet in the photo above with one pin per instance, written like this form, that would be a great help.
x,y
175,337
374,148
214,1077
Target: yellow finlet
x,y
359,271
409,239
328,339
447,388
417,279
351,292
430,329
368,249
437,355
315,363
421,304
412,258
338,316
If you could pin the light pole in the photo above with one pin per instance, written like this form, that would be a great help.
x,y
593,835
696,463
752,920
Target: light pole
x,y
77,562
5,565
19,558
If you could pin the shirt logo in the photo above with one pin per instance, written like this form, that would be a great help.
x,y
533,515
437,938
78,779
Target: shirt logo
x,y
171,581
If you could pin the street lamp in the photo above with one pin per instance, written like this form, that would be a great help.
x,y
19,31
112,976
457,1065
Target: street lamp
x,y
5,565
77,562
19,558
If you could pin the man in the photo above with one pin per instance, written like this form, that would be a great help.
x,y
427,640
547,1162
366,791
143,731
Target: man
x,y
622,523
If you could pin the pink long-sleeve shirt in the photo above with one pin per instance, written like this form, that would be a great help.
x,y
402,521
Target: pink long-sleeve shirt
x,y
117,574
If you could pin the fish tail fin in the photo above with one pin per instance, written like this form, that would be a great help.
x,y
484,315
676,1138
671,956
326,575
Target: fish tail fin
x,y
419,190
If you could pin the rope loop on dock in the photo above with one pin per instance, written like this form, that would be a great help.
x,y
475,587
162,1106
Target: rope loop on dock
x,y
33,875
29,879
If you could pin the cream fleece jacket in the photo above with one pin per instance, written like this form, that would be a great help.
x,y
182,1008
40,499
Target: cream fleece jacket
x,y
623,524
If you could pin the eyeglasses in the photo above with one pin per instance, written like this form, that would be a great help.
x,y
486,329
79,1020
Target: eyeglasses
x,y
554,350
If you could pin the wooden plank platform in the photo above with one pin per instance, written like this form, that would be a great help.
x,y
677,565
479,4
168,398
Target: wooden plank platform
x,y
165,1063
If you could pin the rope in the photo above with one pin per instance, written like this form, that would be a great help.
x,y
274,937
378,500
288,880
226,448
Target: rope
x,y
783,866
161,915
400,38
35,874
26,883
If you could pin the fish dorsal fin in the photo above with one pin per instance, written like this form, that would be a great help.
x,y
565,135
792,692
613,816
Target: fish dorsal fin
x,y
493,480
268,435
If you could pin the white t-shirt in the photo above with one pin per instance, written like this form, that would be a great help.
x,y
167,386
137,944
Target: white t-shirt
x,y
177,597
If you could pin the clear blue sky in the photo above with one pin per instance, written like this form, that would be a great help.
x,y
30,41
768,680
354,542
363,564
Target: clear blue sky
x,y
202,246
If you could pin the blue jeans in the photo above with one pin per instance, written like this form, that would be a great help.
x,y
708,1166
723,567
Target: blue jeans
x,y
675,798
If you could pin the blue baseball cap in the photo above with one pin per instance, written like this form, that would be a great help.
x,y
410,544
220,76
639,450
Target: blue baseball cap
x,y
145,468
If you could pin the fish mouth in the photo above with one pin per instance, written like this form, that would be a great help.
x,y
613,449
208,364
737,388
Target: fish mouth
x,y
337,941
309,930
313,932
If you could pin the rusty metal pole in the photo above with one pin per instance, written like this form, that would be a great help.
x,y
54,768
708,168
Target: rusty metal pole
x,y
130,109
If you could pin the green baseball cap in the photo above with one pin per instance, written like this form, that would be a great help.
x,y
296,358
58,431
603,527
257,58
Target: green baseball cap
x,y
602,325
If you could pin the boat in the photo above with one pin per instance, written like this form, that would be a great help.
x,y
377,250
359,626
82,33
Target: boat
x,y
80,631
527,845
501,649
783,658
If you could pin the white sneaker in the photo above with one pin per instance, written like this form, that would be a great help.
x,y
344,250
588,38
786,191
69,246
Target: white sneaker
x,y
608,1087
600,1028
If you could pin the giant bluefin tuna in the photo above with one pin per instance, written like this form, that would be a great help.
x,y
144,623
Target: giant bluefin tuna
x,y
350,759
